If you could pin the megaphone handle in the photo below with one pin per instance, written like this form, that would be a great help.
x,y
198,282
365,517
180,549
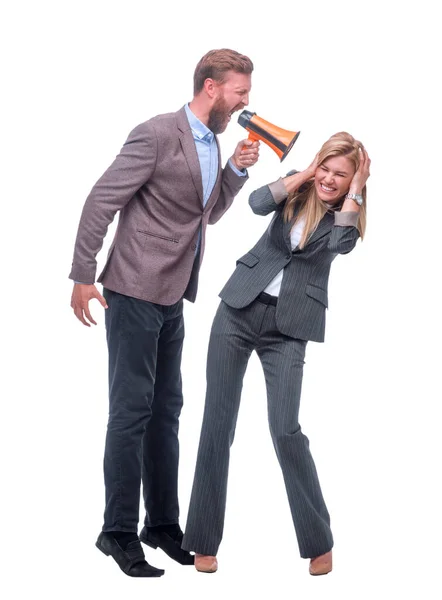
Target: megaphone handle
x,y
252,137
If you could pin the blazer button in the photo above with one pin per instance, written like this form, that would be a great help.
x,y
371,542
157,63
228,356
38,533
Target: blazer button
x,y
289,256
193,246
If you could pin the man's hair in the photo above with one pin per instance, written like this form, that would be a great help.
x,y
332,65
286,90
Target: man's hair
x,y
216,63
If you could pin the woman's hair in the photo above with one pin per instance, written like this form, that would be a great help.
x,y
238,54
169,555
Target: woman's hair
x,y
312,209
216,64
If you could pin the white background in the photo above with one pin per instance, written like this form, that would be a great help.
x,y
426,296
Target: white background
x,y
77,78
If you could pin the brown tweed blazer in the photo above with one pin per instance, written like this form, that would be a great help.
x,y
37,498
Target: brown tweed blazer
x,y
155,182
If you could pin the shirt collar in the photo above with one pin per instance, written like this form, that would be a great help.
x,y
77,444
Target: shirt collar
x,y
198,128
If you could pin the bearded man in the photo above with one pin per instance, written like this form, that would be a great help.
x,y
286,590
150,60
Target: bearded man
x,y
167,184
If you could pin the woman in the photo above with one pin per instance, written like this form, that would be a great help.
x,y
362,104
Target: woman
x,y
274,303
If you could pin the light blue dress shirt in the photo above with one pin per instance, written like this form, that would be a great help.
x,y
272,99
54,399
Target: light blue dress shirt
x,y
207,151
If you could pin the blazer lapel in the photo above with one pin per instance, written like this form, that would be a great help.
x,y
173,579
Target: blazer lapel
x,y
215,191
324,227
286,229
190,153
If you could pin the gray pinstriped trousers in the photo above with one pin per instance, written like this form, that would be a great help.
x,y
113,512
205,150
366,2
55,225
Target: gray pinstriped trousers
x,y
235,334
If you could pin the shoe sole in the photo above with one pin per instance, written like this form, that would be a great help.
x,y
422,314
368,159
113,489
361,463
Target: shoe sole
x,y
319,574
207,571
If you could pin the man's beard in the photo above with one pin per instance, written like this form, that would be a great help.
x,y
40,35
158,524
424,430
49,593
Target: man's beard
x,y
218,116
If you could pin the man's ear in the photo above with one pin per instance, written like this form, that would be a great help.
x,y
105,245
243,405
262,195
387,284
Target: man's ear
x,y
210,87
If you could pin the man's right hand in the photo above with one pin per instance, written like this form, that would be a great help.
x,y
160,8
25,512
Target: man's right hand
x,y
81,295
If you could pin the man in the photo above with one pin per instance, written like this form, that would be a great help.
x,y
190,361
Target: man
x,y
168,184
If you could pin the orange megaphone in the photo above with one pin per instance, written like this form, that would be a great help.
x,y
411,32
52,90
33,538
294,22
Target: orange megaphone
x,y
279,140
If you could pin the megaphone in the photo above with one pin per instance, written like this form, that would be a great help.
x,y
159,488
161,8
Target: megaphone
x,y
279,140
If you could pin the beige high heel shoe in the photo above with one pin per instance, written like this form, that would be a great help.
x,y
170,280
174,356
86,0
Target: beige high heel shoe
x,y
205,563
321,565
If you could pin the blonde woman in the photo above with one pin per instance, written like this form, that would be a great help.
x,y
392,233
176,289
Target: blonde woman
x,y
274,303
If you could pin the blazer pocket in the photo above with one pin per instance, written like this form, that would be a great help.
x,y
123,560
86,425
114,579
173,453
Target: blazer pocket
x,y
317,293
248,259
174,239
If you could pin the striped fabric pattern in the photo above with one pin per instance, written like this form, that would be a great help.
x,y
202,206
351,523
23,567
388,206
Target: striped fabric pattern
x,y
235,334
303,297
279,335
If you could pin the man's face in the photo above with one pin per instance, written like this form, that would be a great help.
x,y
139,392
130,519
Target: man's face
x,y
231,96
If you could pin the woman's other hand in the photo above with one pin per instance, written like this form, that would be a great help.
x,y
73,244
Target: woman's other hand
x,y
311,169
362,174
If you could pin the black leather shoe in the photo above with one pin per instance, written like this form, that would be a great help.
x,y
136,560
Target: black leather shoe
x,y
169,541
131,561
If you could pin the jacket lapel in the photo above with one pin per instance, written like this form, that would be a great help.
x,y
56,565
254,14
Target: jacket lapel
x,y
215,191
287,227
189,150
324,227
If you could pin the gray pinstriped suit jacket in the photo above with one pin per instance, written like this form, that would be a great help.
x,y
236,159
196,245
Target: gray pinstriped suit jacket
x,y
303,299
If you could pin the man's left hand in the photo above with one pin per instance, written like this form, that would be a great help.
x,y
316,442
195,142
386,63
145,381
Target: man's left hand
x,y
246,154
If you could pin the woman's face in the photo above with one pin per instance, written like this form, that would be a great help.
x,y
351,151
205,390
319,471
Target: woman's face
x,y
333,178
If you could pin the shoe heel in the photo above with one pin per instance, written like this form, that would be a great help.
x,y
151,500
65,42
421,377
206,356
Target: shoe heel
x,y
143,538
97,543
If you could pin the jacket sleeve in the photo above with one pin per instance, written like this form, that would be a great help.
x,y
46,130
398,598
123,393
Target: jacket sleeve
x,y
268,198
344,233
129,171
231,184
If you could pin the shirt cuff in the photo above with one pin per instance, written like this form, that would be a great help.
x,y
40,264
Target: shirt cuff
x,y
242,173
278,190
346,219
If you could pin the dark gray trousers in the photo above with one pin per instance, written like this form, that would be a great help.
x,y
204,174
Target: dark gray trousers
x,y
145,343
235,334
